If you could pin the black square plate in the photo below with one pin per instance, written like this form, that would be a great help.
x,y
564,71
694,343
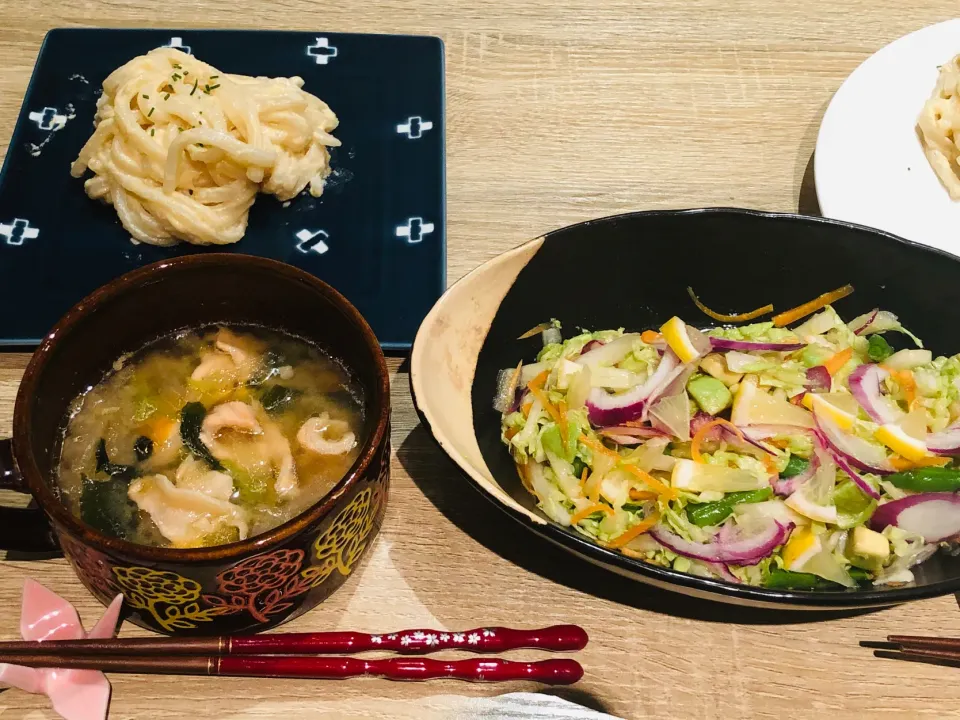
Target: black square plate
x,y
377,234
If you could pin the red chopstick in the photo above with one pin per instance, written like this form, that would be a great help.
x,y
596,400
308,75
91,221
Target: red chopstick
x,y
558,638
551,672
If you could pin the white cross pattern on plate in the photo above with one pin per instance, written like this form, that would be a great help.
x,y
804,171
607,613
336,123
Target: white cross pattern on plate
x,y
321,51
414,230
414,127
18,231
48,119
312,241
177,44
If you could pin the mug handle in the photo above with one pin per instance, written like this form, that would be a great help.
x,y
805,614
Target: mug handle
x,y
24,530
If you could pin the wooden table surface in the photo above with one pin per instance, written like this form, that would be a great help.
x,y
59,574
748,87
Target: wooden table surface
x,y
558,111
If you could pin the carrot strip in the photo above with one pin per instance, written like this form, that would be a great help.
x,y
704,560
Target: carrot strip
x,y
901,463
641,527
771,465
650,336
535,387
701,434
547,405
657,486
590,510
158,429
642,495
838,360
599,447
741,317
511,432
584,475
525,408
564,430
539,381
907,383
794,314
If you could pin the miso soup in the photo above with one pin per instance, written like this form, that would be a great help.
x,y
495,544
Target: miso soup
x,y
208,437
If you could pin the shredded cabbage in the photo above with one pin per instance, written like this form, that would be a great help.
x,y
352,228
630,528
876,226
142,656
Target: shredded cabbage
x,y
634,473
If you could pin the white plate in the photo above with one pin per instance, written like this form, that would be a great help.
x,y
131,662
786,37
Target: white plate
x,y
869,165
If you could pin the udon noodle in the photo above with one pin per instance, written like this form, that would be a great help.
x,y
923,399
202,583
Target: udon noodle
x,y
181,150
939,125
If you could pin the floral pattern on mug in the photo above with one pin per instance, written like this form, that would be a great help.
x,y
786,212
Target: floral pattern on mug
x,y
170,598
267,584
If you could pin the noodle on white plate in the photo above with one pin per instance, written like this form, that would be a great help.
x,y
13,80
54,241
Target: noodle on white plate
x,y
181,150
939,125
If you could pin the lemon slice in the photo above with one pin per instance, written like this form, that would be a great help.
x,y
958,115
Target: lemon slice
x,y
820,405
803,545
674,331
754,406
897,439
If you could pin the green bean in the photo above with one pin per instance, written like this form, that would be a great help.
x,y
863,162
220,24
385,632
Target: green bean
x,y
928,479
714,513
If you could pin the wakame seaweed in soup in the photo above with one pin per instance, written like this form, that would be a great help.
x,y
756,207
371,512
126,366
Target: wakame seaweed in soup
x,y
209,437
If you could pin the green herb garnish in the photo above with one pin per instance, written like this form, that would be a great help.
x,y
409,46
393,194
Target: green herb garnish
x,y
151,111
194,86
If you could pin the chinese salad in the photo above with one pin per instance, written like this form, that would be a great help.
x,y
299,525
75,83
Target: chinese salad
x,y
803,452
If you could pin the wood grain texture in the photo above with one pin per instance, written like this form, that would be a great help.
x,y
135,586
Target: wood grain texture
x,y
557,111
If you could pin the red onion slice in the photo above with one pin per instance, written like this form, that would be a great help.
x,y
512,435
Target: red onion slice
x,y
745,345
858,452
743,551
847,467
862,322
592,345
764,432
875,321
699,420
605,410
628,440
818,379
724,572
935,516
788,486
864,384
945,442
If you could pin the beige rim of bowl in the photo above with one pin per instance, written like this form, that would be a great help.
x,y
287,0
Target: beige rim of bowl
x,y
444,360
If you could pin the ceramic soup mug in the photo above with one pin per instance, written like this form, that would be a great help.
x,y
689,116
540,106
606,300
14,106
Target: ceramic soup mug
x,y
243,586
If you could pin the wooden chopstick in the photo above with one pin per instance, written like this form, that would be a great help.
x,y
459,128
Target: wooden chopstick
x,y
932,650
924,643
932,657
551,672
558,638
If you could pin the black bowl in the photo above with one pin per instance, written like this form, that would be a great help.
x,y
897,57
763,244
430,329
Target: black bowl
x,y
633,271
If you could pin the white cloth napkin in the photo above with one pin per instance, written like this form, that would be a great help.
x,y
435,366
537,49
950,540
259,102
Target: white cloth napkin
x,y
512,706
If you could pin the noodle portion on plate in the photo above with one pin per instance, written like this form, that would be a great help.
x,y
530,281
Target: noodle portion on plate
x,y
181,150
939,125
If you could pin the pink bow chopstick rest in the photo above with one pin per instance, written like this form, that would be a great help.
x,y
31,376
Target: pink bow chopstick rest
x,y
76,694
